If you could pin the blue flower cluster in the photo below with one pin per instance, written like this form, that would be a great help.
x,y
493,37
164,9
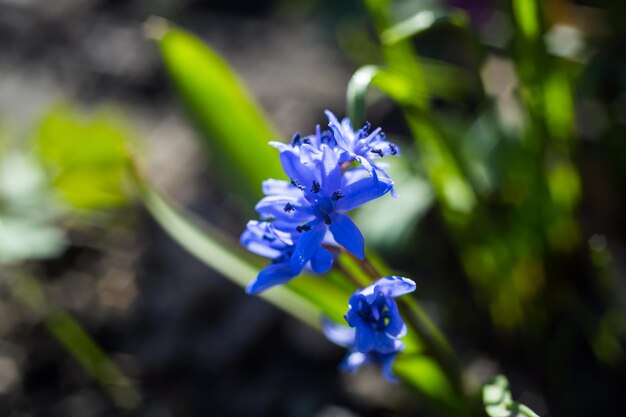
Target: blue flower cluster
x,y
375,325
330,172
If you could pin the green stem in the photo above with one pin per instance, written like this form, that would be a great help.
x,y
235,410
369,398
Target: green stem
x,y
77,342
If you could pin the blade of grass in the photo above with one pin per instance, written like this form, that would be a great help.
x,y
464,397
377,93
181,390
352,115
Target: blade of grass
x,y
234,128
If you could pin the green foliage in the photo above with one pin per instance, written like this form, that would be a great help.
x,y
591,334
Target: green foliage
x,y
85,156
499,403
235,130
27,231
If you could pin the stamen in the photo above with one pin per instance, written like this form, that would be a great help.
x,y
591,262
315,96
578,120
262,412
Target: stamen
x,y
316,187
306,141
378,152
303,228
289,208
327,219
337,195
295,184
296,139
269,238
393,149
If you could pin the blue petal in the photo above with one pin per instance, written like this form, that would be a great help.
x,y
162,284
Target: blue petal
x,y
279,145
273,274
302,174
321,261
352,316
392,286
338,334
261,238
353,361
362,191
274,207
309,242
338,132
280,187
331,170
395,286
383,343
395,327
257,246
387,367
366,339
348,235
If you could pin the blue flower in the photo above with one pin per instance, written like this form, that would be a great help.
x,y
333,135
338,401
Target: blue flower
x,y
374,314
361,145
270,241
319,138
315,199
354,360
375,325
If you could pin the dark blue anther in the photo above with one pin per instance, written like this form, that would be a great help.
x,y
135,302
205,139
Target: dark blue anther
x,y
378,152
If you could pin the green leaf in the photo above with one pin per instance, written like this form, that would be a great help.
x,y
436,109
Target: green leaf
x,y
22,239
499,403
26,231
527,15
233,126
356,91
85,156
421,22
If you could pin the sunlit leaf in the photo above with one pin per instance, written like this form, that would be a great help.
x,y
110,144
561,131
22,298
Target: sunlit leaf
x,y
233,126
22,239
356,91
499,403
527,15
85,156
421,22
27,212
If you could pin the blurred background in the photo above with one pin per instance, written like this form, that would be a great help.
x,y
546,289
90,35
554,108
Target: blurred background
x,y
510,215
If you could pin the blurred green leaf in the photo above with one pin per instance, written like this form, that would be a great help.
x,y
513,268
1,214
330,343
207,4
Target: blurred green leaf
x,y
527,15
421,22
356,91
499,403
27,212
83,348
559,106
23,239
85,156
233,126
